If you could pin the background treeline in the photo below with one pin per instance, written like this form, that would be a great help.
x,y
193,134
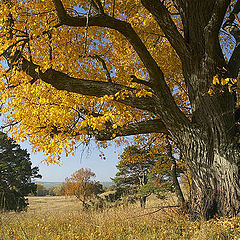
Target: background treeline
x,y
49,191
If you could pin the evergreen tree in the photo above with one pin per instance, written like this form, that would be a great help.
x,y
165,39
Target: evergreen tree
x,y
133,172
16,174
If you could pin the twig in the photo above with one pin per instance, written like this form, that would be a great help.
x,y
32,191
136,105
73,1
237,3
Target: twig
x,y
113,8
108,76
86,30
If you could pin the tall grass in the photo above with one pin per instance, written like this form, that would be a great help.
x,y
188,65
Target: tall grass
x,y
62,218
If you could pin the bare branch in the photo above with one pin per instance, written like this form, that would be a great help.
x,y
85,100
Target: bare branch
x,y
137,80
108,76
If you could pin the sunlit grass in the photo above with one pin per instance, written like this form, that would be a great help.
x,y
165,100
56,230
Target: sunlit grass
x,y
60,218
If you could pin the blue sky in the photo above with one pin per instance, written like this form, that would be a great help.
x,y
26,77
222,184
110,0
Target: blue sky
x,y
104,169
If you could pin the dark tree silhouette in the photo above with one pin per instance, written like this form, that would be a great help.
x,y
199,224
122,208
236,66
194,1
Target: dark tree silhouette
x,y
16,173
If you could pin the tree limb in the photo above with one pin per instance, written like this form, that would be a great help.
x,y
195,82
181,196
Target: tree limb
x,y
62,81
103,20
163,18
140,81
217,16
97,6
104,65
159,85
212,45
150,126
231,28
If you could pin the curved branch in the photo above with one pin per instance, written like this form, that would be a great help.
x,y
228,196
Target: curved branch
x,y
163,18
103,20
217,17
104,65
164,99
140,81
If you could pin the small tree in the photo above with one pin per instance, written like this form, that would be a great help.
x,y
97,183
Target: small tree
x,y
41,190
81,185
59,190
133,171
15,175
157,185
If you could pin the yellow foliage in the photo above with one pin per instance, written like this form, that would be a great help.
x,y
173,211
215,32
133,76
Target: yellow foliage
x,y
54,121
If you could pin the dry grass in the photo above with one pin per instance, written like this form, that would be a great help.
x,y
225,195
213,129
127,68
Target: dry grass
x,y
62,218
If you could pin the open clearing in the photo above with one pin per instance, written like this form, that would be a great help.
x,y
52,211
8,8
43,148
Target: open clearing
x,y
62,218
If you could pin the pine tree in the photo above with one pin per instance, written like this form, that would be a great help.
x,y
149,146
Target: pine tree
x,y
135,167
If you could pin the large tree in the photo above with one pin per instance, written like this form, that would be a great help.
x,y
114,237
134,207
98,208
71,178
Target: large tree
x,y
16,174
129,67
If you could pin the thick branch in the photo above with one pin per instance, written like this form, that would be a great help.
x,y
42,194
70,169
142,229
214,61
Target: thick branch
x,y
176,184
150,126
159,85
103,20
230,27
62,81
217,17
234,61
213,49
140,81
163,18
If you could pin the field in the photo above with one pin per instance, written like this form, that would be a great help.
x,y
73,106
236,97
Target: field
x,y
62,218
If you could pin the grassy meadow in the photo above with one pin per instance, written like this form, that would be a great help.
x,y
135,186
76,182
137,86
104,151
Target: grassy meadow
x,y
62,218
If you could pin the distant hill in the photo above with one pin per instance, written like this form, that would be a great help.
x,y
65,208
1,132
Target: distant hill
x,y
106,184
54,184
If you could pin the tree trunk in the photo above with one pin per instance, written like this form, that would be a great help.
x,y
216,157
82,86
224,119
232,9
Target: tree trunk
x,y
143,201
214,181
176,184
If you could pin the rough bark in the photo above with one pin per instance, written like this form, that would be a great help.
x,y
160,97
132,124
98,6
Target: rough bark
x,y
215,186
214,168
